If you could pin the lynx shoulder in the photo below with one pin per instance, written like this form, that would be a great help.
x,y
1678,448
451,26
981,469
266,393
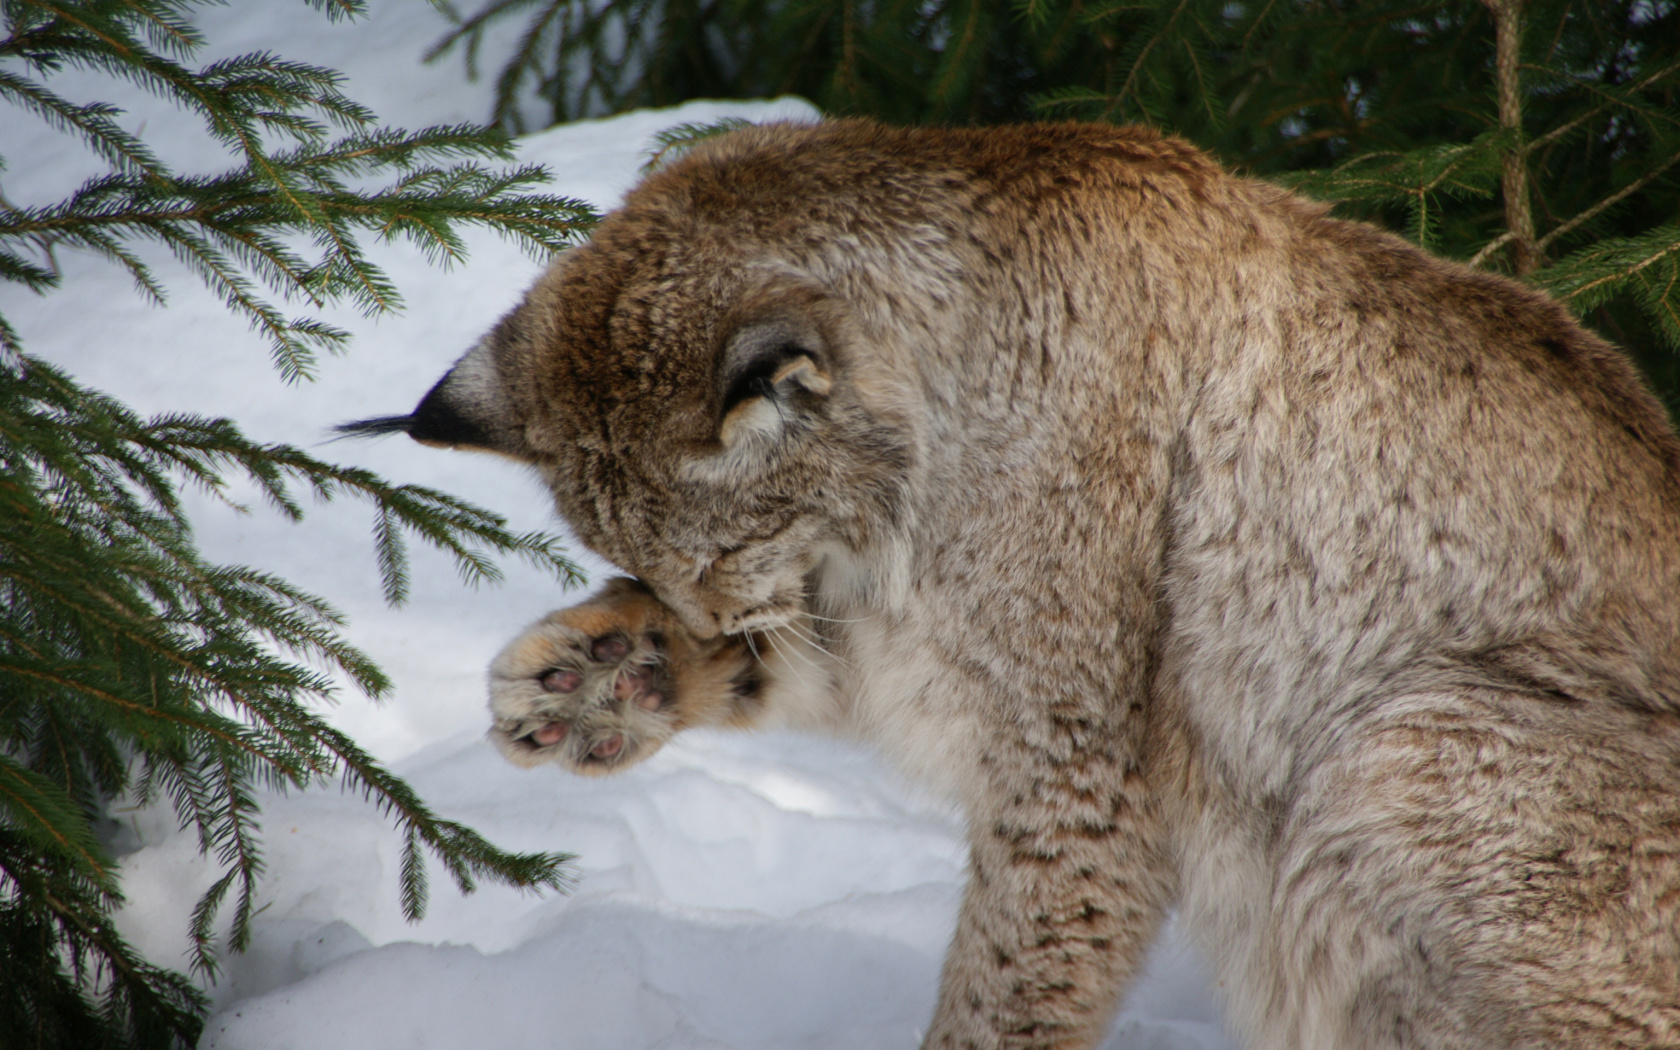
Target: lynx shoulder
x,y
1213,552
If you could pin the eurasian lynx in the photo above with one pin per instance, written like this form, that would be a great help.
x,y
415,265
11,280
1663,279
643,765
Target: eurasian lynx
x,y
1212,551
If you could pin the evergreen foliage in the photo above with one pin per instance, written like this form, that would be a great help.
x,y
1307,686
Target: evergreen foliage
x,y
129,665
1540,137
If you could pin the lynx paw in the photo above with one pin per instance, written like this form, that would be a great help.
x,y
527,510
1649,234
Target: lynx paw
x,y
602,685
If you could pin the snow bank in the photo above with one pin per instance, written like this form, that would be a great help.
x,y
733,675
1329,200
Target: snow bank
x,y
744,892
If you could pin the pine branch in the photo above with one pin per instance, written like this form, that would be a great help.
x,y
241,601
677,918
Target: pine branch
x,y
464,854
221,225
963,55
163,616
52,922
238,210
1582,119
1139,60
43,815
119,638
525,62
1651,175
673,141
1490,247
93,122
1034,13
1073,99
1417,178
1647,266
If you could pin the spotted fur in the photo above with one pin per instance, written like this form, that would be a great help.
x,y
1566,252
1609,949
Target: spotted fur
x,y
1211,551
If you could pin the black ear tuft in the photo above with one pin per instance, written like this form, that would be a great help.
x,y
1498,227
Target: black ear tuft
x,y
468,408
439,423
366,428
434,422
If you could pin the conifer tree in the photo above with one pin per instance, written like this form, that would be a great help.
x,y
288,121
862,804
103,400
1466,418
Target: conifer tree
x,y
1539,137
129,664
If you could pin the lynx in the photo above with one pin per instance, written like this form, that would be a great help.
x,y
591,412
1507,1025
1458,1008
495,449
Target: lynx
x,y
1214,553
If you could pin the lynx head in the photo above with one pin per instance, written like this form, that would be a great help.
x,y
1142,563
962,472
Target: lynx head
x,y
697,385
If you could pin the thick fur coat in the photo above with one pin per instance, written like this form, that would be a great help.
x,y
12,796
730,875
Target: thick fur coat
x,y
1213,552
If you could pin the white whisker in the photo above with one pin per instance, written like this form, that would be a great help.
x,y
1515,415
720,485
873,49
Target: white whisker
x,y
793,650
810,638
805,600
804,683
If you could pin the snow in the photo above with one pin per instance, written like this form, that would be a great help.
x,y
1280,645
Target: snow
x,y
736,891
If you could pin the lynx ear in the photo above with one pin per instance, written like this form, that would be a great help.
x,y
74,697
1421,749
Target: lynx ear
x,y
762,366
468,408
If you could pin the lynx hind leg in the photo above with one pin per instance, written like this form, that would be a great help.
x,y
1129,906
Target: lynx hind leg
x,y
601,685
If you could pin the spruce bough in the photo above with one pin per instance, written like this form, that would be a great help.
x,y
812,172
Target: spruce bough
x,y
129,665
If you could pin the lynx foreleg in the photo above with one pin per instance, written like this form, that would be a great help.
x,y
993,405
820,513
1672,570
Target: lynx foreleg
x,y
1069,880
603,684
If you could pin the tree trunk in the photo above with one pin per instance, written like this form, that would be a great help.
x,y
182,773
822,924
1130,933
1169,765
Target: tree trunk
x,y
1513,182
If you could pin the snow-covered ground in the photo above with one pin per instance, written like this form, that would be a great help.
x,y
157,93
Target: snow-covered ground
x,y
750,892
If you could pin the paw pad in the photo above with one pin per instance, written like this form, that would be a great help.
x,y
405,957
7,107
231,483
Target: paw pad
x,y
561,681
610,649
594,705
550,734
